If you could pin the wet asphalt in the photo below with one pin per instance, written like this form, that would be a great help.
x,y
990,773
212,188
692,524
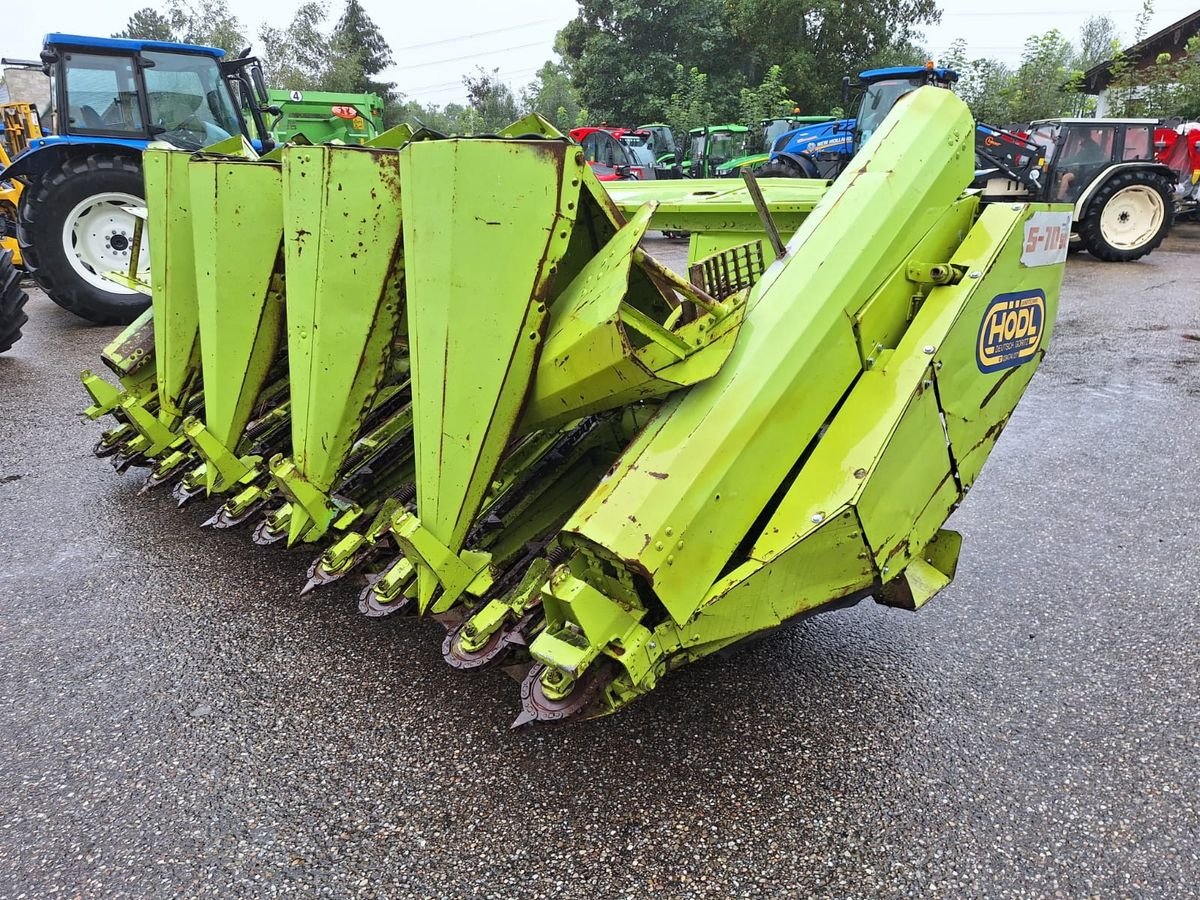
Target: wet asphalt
x,y
175,722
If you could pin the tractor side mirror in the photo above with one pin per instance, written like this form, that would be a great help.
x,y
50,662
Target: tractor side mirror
x,y
845,91
260,85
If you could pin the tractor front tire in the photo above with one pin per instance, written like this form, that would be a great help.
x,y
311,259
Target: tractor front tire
x,y
71,228
780,168
1128,216
12,302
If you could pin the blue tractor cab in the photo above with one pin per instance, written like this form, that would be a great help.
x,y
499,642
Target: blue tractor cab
x,y
112,97
822,151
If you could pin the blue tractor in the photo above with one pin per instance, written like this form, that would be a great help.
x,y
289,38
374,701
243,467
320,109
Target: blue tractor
x,y
111,98
822,151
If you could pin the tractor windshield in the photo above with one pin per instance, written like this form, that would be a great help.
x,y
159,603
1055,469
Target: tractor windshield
x,y
771,131
724,146
189,103
878,101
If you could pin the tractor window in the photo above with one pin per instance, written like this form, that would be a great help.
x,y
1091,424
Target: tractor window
x,y
603,149
1084,150
101,95
723,146
1139,143
772,130
878,101
1086,145
189,102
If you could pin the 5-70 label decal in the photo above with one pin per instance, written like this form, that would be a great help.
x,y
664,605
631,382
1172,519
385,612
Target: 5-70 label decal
x,y
1011,330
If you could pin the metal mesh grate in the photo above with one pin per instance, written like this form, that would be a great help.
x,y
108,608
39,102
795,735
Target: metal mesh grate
x,y
724,274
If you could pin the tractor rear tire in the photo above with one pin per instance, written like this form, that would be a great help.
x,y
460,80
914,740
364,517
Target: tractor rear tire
x,y
12,302
1128,216
71,228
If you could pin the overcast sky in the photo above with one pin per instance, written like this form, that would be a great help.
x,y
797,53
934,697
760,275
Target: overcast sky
x,y
435,43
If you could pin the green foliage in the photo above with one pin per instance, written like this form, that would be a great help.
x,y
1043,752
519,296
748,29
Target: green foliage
x,y
1040,86
986,85
1098,41
767,101
1170,87
622,55
490,100
360,52
297,57
817,42
691,102
147,24
552,94
207,22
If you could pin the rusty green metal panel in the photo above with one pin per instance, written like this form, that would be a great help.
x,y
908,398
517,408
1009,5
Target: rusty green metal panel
x,y
478,279
237,219
1006,330
345,305
173,279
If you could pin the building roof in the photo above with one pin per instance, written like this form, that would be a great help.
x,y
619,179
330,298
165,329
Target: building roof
x,y
1172,38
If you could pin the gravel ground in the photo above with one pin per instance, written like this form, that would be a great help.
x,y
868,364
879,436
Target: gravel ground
x,y
175,722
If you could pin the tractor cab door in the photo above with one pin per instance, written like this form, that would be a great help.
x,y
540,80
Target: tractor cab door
x,y
662,144
697,147
97,95
722,147
606,155
1080,153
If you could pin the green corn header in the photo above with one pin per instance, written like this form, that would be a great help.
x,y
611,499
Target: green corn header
x,y
449,365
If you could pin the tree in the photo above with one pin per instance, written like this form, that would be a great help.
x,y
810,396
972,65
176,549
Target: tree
x,y
1098,40
767,101
1041,86
817,42
360,52
147,24
985,85
207,22
552,94
691,102
298,57
622,56
491,99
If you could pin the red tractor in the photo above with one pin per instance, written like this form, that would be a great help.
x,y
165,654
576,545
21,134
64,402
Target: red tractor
x,y
616,154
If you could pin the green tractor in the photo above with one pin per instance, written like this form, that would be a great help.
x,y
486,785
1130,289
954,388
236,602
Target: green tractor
x,y
769,131
711,146
661,143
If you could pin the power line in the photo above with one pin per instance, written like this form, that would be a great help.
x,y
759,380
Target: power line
x,y
438,62
446,86
1049,12
467,37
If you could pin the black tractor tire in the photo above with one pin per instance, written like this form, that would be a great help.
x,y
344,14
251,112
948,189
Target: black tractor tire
x,y
44,207
12,302
780,168
1123,188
